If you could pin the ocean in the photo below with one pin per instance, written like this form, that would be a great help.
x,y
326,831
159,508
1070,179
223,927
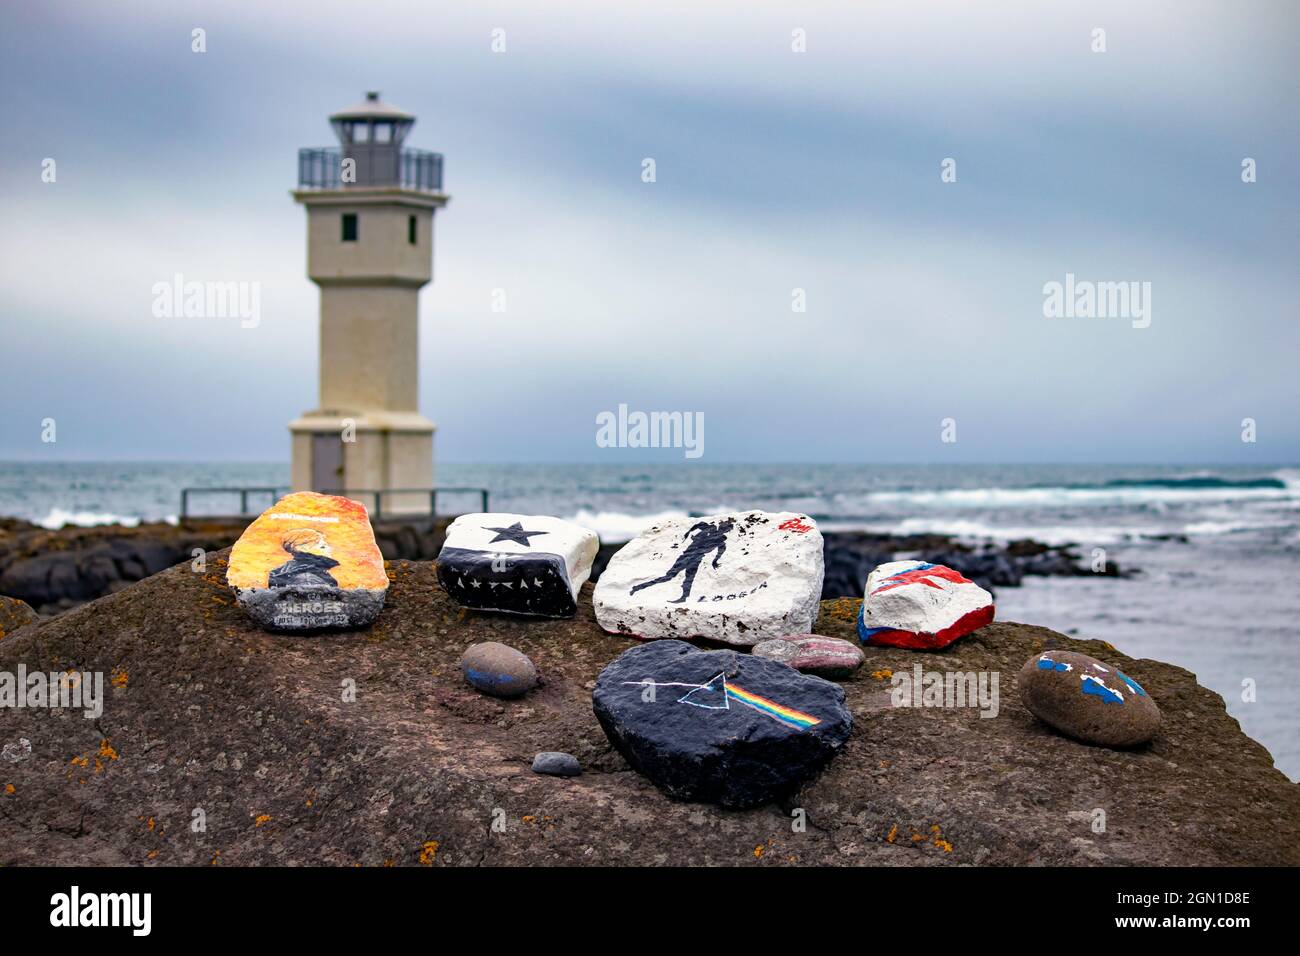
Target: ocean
x,y
1218,547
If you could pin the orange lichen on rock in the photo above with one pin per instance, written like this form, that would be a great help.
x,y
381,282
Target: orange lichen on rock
x,y
938,840
885,674
9,789
119,677
260,819
844,609
428,852
893,832
106,750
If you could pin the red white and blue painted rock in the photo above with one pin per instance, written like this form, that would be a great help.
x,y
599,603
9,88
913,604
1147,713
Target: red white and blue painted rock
x,y
921,606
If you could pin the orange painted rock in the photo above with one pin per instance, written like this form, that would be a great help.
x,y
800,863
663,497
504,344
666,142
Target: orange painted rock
x,y
308,563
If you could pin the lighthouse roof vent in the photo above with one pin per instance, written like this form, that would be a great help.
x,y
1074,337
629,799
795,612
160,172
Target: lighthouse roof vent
x,y
372,108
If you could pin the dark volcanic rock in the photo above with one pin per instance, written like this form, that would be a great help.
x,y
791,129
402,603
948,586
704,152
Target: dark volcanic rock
x,y
1088,700
556,764
719,726
202,709
55,570
14,614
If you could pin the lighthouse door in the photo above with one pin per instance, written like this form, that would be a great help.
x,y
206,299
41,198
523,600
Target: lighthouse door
x,y
327,462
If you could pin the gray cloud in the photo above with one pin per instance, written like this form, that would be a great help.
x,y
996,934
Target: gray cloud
x,y
776,171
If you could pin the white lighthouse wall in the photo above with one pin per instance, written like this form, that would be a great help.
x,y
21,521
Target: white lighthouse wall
x,y
369,348
380,252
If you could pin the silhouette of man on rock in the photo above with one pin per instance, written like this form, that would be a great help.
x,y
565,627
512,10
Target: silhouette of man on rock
x,y
707,537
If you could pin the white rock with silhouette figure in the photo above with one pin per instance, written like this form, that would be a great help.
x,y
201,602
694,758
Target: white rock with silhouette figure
x,y
740,578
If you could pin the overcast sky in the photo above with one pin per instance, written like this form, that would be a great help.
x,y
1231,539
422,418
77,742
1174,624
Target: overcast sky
x,y
776,170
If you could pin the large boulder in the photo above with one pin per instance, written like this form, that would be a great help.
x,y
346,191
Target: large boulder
x,y
203,710
737,578
719,726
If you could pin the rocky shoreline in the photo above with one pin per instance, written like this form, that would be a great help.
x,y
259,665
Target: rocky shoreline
x,y
55,571
221,744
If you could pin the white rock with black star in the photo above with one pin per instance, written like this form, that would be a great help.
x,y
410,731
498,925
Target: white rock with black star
x,y
519,564
741,578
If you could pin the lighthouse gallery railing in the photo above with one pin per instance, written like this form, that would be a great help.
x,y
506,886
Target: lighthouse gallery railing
x,y
321,167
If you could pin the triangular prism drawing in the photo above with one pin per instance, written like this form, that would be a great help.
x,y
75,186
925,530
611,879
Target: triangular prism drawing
x,y
710,696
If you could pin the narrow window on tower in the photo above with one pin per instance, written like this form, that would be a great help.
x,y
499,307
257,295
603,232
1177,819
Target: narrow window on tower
x,y
349,227
410,230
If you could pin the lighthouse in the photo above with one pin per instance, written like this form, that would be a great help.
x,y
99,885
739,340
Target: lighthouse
x,y
370,205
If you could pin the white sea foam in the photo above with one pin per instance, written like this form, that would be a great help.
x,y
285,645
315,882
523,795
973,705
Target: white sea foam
x,y
58,517
1081,534
1076,497
613,526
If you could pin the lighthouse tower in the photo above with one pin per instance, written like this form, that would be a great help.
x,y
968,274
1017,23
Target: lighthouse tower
x,y
370,203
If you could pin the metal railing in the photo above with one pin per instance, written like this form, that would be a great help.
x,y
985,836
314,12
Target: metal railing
x,y
273,492
376,494
320,167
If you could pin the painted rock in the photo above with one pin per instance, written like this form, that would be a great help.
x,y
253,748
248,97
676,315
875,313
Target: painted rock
x,y
309,562
498,670
1088,700
555,764
813,654
719,726
520,564
921,606
739,578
